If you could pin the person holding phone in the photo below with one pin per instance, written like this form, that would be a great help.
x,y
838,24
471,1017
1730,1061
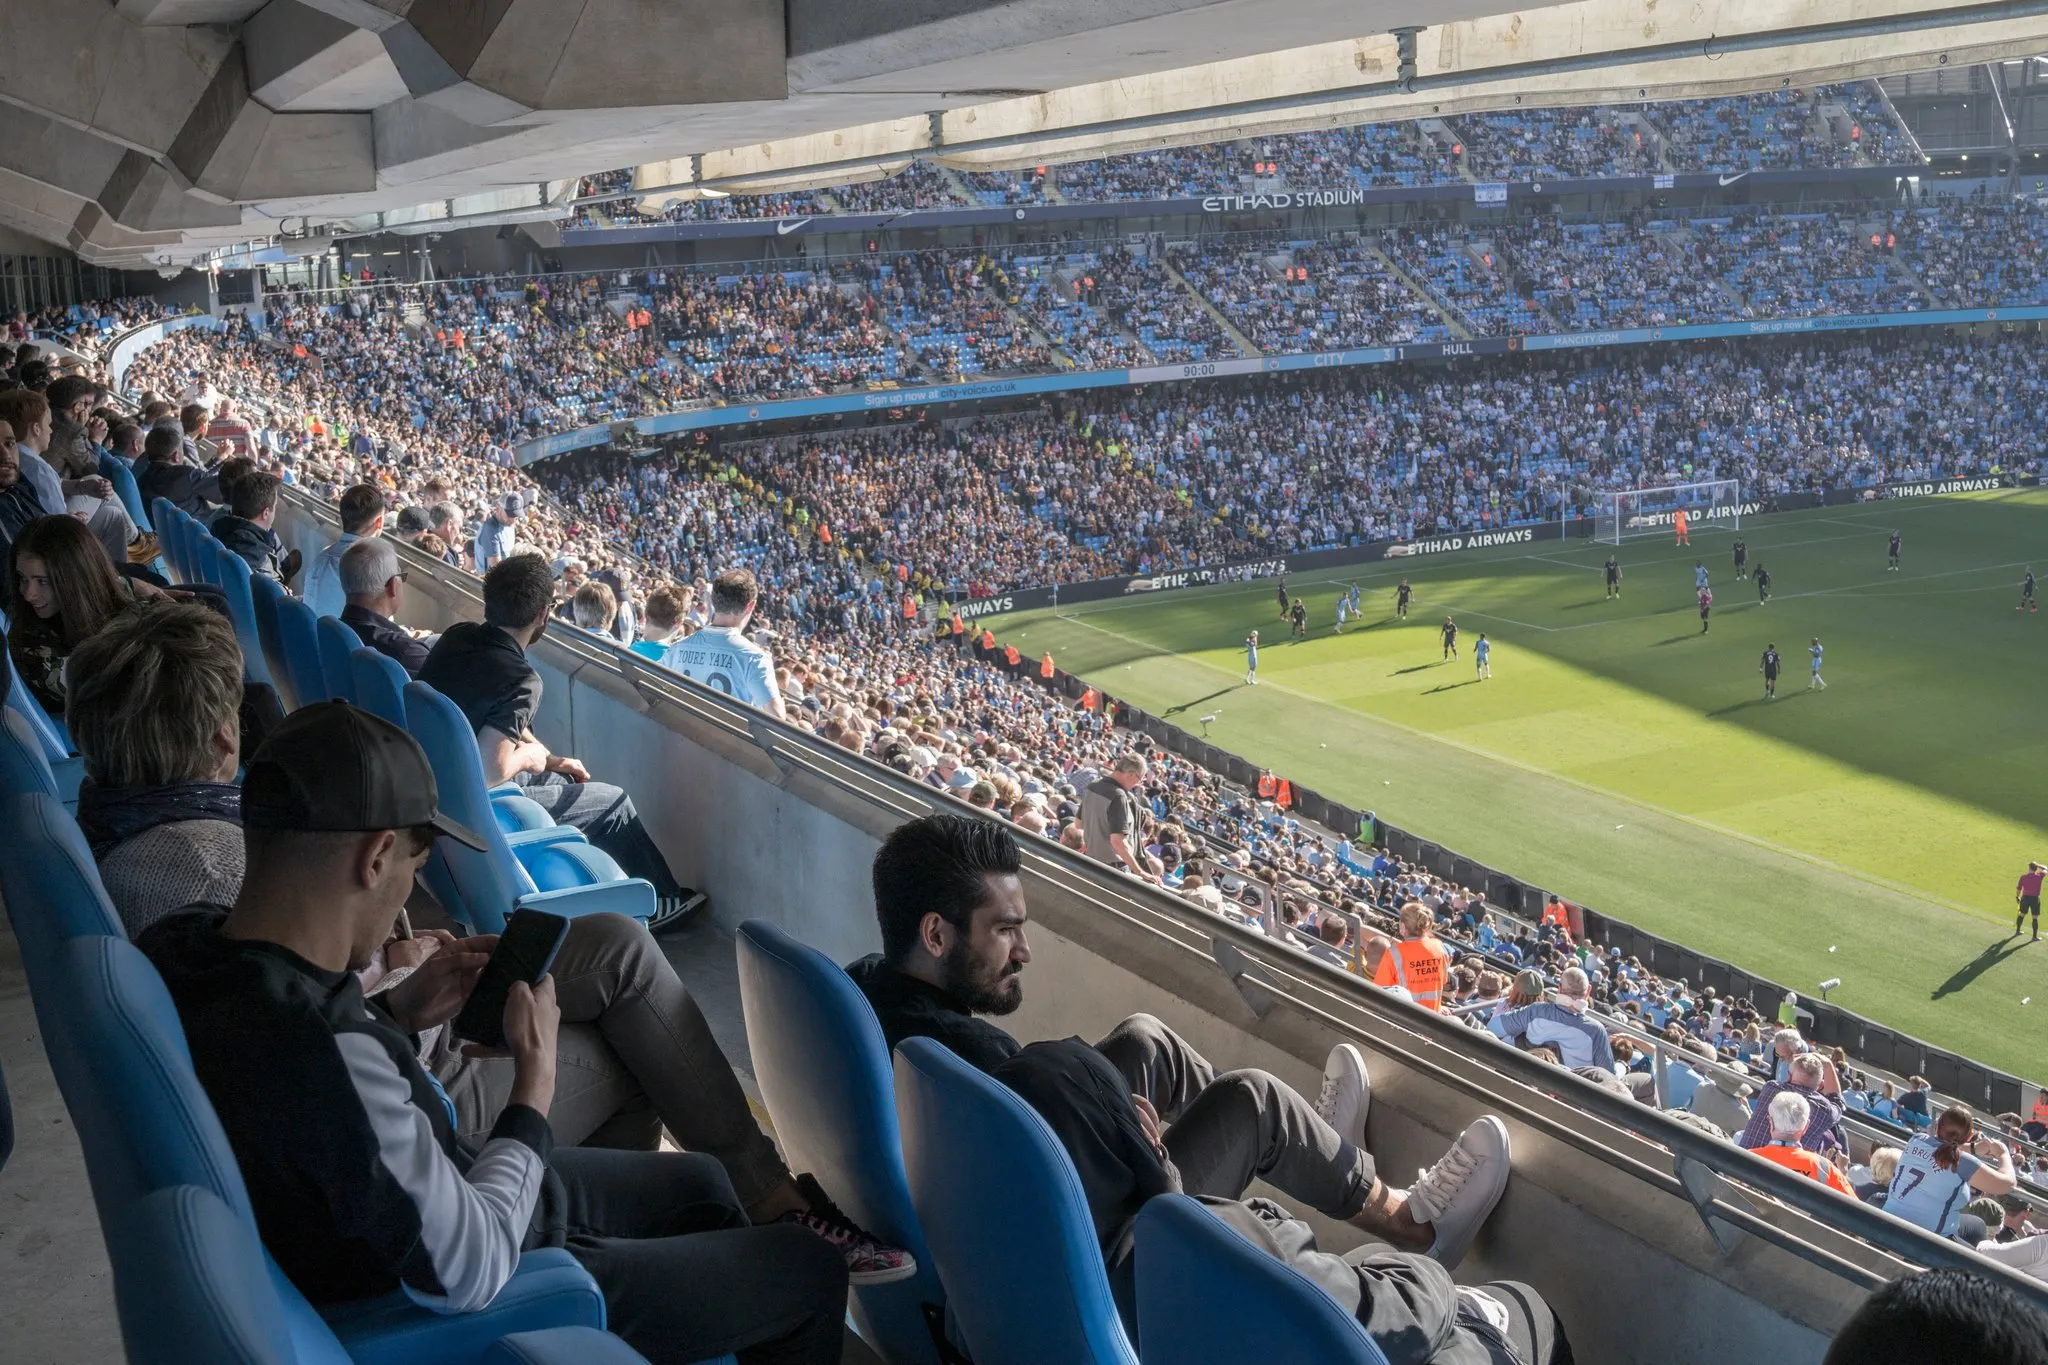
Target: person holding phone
x,y
358,1179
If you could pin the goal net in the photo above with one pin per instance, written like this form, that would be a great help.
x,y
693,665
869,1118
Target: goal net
x,y
1715,505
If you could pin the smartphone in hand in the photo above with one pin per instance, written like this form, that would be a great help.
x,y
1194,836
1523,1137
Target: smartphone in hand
x,y
526,950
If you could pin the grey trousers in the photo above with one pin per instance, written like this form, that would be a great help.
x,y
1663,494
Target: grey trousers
x,y
634,1055
1226,1130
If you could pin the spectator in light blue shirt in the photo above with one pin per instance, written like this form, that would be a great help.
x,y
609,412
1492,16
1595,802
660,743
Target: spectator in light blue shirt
x,y
362,515
721,656
1560,1024
497,537
662,621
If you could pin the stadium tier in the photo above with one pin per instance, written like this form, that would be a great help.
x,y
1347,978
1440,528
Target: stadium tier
x,y
1830,126
1276,647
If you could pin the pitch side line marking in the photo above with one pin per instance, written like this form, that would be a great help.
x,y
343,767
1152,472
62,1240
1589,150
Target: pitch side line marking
x,y
1755,841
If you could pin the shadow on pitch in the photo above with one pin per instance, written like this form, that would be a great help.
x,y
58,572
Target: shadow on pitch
x,y
1681,639
1449,687
1741,706
1417,668
1191,705
1993,954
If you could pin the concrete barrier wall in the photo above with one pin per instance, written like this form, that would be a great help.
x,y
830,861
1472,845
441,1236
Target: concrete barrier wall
x,y
776,825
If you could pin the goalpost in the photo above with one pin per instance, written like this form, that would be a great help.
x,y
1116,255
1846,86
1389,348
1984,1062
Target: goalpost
x,y
1714,505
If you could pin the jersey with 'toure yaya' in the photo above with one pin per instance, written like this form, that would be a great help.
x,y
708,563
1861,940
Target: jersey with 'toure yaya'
x,y
722,658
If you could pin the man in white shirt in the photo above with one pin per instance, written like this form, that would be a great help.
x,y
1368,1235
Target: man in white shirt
x,y
721,656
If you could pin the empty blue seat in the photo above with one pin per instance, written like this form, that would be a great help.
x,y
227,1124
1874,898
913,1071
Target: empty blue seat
x,y
380,683
1206,1296
266,594
51,887
25,767
1004,1215
337,642
823,1068
230,573
546,869
298,631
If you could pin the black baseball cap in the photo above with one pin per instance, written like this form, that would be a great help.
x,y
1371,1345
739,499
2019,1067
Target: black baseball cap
x,y
331,768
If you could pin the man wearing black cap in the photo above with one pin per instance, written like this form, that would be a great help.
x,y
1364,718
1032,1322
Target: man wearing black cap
x,y
358,1180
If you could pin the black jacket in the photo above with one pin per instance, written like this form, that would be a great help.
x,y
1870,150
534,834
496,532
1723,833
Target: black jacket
x,y
346,1145
260,548
380,635
908,1008
177,483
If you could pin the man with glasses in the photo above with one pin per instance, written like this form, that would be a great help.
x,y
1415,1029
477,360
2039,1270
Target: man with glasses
x,y
375,587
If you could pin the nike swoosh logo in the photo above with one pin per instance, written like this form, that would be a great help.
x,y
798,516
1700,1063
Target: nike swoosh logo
x,y
1731,179
784,229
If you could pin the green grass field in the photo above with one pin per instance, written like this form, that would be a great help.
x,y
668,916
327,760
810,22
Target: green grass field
x,y
1871,832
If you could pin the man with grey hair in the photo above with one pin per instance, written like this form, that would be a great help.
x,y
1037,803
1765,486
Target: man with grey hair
x,y
375,588
1560,1023
1812,1077
1109,814
1788,1115
1785,1045
444,519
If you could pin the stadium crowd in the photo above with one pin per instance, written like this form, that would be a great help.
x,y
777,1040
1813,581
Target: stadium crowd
x,y
401,405
1841,125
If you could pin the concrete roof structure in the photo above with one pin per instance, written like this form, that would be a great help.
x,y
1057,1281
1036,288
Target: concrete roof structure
x,y
151,132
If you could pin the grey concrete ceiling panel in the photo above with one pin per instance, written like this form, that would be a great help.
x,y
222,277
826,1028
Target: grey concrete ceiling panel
x,y
295,53
55,154
302,154
167,12
145,80
603,54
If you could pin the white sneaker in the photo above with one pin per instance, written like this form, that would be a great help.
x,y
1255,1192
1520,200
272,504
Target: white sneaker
x,y
1346,1093
1458,1193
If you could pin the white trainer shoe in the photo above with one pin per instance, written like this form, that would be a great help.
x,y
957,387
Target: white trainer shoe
x,y
1458,1193
1346,1093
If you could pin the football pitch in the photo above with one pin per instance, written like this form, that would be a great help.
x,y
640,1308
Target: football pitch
x,y
1871,832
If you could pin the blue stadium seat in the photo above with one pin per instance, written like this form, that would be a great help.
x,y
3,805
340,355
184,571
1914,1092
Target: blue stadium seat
x,y
380,683
545,869
51,887
230,572
266,593
568,1346
191,1286
25,765
164,517
380,689
823,1068
1003,1213
1206,1296
126,1073
115,471
337,642
298,630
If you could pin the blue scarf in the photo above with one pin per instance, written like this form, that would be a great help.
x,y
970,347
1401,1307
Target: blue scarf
x,y
110,816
